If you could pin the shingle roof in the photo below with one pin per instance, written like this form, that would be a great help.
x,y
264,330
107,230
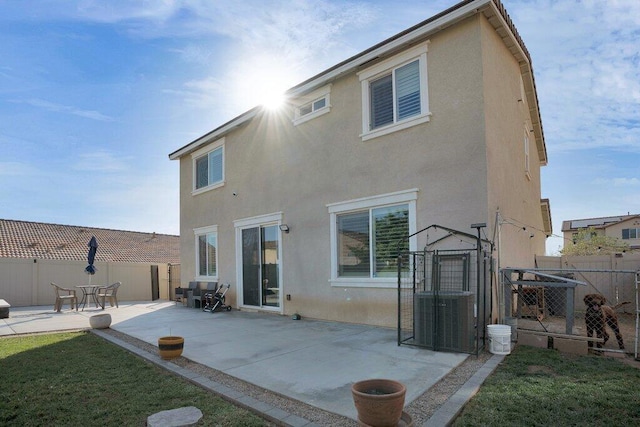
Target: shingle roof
x,y
23,239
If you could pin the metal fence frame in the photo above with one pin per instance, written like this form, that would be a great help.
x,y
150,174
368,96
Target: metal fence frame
x,y
607,282
444,294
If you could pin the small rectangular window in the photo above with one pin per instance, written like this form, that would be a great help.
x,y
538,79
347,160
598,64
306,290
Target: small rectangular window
x,y
633,233
312,105
207,252
395,93
209,168
625,234
320,103
306,109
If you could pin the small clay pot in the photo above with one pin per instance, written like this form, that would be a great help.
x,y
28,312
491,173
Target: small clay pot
x,y
170,347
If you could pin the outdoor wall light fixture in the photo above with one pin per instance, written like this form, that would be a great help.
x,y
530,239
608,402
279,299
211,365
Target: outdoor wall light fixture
x,y
284,227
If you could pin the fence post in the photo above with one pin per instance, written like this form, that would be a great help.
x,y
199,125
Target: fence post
x,y
569,315
35,278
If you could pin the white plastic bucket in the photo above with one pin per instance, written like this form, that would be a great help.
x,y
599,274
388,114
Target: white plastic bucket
x,y
499,339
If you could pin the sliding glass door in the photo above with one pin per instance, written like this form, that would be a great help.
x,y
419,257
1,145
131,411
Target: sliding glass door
x,y
261,266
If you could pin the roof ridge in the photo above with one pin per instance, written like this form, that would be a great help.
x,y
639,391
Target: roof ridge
x,y
87,227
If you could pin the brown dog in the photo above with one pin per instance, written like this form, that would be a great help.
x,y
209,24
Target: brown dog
x,y
598,315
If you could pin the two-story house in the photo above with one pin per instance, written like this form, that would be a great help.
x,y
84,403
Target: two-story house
x,y
625,228
297,208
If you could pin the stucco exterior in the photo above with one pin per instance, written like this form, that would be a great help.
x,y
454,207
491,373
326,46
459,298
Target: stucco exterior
x,y
455,169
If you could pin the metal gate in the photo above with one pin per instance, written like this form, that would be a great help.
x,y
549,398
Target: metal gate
x,y
174,280
444,296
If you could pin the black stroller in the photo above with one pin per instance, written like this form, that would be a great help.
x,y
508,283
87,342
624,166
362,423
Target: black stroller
x,y
215,301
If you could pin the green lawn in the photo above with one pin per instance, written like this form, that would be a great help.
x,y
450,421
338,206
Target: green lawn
x,y
78,379
540,387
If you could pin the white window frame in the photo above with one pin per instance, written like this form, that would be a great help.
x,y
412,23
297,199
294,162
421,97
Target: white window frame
x,y
310,99
408,197
203,231
205,152
377,71
527,155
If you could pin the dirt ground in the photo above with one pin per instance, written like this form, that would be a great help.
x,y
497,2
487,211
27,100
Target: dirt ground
x,y
557,324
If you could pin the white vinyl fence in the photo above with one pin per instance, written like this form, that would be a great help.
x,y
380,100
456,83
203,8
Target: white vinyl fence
x,y
26,281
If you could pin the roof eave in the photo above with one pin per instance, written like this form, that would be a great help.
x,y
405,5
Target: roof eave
x,y
385,48
215,134
399,41
501,22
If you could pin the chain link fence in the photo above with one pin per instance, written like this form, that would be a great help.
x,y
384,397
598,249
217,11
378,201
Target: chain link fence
x,y
599,306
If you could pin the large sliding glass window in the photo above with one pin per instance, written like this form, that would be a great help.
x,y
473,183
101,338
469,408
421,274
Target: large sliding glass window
x,y
368,234
368,241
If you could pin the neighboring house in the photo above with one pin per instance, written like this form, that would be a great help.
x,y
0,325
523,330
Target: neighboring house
x,y
436,125
625,228
33,254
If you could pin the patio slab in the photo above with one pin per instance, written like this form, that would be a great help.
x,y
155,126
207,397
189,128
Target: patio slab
x,y
312,361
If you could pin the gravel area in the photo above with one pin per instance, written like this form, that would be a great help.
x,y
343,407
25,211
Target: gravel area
x,y
420,409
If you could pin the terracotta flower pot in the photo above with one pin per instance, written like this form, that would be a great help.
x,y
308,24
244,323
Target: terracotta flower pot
x,y
379,402
170,347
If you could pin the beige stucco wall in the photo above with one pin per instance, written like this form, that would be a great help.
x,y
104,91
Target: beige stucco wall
x,y
274,166
27,282
615,231
510,191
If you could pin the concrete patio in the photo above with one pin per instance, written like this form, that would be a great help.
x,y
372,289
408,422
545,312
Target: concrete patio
x,y
312,361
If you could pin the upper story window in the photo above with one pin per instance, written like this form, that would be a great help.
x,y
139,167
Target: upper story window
x,y
206,252
208,167
394,93
630,233
527,171
312,105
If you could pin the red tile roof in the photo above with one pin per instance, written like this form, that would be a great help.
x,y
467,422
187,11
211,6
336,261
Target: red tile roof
x,y
23,239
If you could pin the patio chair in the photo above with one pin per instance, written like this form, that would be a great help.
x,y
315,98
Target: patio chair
x,y
193,294
108,292
62,295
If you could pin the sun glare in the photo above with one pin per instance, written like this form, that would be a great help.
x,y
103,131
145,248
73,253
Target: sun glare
x,y
265,85
272,98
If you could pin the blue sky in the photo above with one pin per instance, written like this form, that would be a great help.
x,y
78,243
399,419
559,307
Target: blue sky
x,y
95,94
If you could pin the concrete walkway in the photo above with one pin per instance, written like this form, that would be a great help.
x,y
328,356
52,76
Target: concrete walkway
x,y
312,361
